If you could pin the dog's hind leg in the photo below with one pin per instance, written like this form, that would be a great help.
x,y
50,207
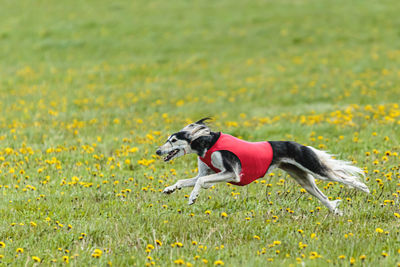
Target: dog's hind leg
x,y
308,183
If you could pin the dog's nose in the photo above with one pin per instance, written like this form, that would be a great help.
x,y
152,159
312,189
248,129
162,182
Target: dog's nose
x,y
158,152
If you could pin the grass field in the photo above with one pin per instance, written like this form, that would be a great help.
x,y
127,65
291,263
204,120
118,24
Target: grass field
x,y
89,89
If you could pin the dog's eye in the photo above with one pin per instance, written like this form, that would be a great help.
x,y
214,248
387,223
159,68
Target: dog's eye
x,y
173,141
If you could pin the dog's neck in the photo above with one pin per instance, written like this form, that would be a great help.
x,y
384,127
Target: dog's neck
x,y
204,143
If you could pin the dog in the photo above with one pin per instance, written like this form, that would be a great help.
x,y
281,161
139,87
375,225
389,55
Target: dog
x,y
224,158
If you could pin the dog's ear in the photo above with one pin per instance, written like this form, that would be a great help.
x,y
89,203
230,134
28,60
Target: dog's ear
x,y
203,120
198,131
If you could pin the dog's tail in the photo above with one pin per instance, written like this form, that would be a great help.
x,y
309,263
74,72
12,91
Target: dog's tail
x,y
340,171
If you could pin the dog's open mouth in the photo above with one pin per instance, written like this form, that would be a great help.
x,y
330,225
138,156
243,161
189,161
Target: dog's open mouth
x,y
171,154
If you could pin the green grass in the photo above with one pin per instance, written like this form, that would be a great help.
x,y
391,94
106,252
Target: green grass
x,y
89,89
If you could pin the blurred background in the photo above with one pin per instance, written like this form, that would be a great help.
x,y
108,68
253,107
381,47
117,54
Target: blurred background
x,y
192,57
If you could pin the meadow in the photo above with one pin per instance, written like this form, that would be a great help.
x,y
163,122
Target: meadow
x,y
89,89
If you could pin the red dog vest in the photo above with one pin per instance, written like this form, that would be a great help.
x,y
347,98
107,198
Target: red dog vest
x,y
255,158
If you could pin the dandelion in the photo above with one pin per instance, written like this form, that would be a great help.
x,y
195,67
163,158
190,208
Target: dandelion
x,y
179,261
379,230
97,253
224,215
302,245
219,262
36,259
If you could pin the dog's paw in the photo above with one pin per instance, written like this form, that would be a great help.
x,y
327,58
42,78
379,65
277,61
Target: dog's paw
x,y
169,189
335,208
338,212
192,199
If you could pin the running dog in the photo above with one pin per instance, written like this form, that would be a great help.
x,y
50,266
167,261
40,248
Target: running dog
x,y
224,158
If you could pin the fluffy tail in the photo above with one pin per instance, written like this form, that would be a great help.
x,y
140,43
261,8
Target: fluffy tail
x,y
341,171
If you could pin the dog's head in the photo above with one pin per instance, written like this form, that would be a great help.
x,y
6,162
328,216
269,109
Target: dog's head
x,y
179,143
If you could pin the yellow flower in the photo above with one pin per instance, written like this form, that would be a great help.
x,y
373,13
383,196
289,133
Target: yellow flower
x,y
158,242
36,259
179,261
20,250
97,253
302,245
379,230
218,262
256,237
65,259
2,245
224,215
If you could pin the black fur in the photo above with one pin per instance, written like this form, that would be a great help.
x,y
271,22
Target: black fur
x,y
203,120
299,153
201,144
229,160
182,136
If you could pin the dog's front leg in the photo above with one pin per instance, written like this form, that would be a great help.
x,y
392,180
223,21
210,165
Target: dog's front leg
x,y
203,170
181,183
205,181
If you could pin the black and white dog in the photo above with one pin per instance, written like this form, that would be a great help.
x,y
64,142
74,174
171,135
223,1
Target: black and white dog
x,y
303,163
